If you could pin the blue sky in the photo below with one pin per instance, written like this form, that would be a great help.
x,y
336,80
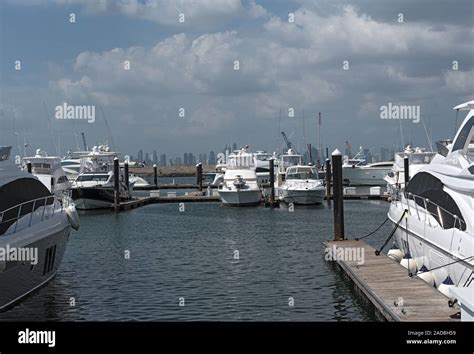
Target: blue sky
x,y
283,65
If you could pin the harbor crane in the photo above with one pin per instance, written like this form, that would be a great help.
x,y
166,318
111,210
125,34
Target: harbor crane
x,y
288,143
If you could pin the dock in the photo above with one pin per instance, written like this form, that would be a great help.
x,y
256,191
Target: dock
x,y
142,201
386,284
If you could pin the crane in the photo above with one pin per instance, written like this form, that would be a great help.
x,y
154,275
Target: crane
x,y
287,142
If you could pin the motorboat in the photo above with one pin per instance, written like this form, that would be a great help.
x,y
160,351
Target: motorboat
x,y
94,186
356,172
239,186
417,159
49,171
297,183
34,230
435,214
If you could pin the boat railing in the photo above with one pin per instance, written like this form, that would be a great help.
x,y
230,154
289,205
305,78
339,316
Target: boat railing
x,y
444,218
40,208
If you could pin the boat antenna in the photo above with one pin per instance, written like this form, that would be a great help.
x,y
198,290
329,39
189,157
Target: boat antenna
x,y
75,135
50,128
108,128
279,123
426,133
456,123
401,133
319,138
16,132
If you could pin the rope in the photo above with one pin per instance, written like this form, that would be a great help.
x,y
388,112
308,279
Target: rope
x,y
373,232
377,252
442,266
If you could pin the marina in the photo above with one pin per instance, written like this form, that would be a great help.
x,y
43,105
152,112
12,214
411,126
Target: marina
x,y
238,175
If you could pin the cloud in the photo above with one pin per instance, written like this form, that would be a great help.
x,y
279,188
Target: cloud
x,y
281,65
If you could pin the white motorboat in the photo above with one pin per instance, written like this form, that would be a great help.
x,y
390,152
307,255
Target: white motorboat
x,y
297,183
417,159
34,224
49,171
94,186
435,213
138,182
239,186
356,172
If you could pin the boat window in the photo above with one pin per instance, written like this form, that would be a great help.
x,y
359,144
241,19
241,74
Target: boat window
x,y
94,177
429,187
302,173
17,192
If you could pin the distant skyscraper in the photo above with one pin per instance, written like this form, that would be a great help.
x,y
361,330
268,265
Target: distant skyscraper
x,y
204,159
155,157
234,146
163,160
186,158
212,158
147,158
385,154
177,161
140,156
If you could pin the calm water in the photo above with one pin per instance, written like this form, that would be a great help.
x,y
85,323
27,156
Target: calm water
x,y
190,254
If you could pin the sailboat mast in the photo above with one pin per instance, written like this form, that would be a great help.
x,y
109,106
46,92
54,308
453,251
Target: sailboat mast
x,y
319,138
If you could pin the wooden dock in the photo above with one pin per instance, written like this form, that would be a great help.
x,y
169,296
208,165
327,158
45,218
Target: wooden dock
x,y
386,284
142,201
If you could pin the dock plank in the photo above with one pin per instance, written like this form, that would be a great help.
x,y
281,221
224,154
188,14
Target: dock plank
x,y
385,282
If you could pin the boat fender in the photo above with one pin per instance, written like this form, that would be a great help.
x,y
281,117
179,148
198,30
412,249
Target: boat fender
x,y
73,216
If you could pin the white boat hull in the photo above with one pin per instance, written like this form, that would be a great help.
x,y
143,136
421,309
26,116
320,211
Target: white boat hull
x,y
23,278
433,247
359,176
242,197
303,196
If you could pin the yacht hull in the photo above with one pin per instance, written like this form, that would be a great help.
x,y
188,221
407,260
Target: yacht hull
x,y
94,198
303,196
19,279
359,176
241,197
432,247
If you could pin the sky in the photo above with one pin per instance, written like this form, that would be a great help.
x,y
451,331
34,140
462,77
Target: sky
x,y
345,59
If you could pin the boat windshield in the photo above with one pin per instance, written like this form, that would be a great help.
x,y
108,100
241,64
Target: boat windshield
x,y
302,173
92,177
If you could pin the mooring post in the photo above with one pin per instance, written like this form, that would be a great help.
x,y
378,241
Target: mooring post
x,y
199,176
28,167
272,182
127,179
338,196
116,183
328,180
406,167
155,175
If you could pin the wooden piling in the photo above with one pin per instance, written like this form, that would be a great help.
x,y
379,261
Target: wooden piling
x,y
328,180
338,196
116,184
127,179
155,175
199,176
272,182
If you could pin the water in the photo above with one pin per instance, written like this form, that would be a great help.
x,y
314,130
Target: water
x,y
190,254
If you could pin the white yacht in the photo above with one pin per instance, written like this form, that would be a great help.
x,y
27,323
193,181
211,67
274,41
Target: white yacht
x,y
34,226
356,172
71,163
94,186
49,171
417,159
435,212
138,182
239,186
297,183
